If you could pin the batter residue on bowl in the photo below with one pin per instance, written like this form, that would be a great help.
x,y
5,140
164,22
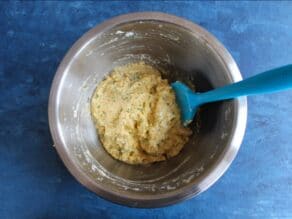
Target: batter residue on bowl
x,y
136,116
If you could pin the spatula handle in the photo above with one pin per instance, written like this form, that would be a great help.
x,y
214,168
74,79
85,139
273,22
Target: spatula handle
x,y
270,81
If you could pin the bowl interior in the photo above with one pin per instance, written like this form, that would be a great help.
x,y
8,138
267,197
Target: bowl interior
x,y
181,55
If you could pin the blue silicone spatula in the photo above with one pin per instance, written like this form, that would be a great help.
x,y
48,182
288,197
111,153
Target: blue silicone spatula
x,y
267,82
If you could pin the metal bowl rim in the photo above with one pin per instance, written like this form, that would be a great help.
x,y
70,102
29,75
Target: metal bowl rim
x,y
177,195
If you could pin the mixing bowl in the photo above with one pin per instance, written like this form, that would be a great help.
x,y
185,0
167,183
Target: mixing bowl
x,y
181,50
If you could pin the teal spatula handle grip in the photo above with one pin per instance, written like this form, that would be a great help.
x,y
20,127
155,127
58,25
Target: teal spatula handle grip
x,y
267,82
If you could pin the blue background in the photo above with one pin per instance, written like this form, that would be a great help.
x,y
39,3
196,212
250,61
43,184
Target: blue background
x,y
34,182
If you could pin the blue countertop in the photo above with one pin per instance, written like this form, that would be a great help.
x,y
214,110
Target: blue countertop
x,y
33,180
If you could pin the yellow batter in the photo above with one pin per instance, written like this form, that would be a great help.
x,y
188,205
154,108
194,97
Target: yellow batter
x,y
136,115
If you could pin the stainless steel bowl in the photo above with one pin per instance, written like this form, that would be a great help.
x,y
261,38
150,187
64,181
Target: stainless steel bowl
x,y
183,51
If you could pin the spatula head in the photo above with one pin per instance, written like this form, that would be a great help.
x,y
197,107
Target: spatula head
x,y
186,101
